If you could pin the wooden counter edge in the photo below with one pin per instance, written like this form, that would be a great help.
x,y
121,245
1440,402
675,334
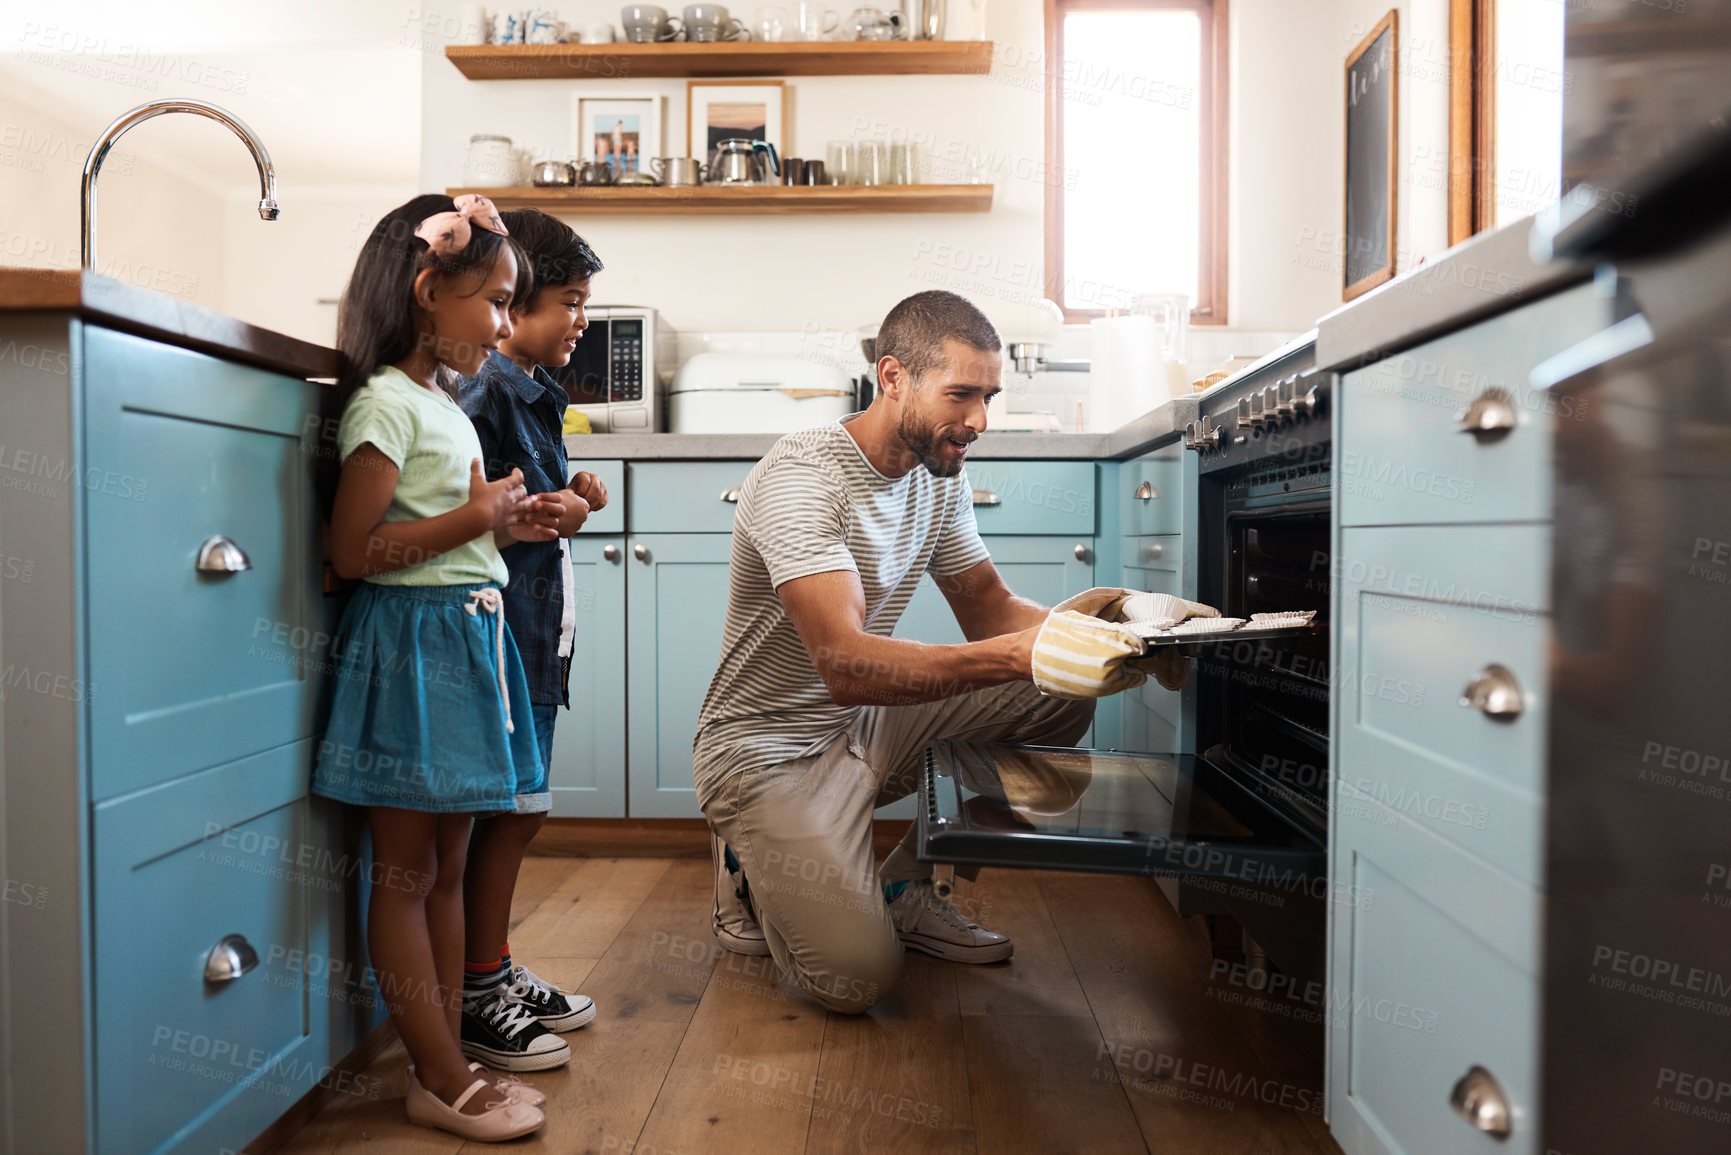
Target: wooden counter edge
x,y
161,317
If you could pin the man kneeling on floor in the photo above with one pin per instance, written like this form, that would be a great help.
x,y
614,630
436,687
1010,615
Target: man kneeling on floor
x,y
816,715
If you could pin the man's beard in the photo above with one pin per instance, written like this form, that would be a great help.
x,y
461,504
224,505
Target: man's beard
x,y
924,442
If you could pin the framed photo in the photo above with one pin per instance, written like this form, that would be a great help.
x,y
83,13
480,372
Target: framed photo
x,y
1372,139
623,132
718,110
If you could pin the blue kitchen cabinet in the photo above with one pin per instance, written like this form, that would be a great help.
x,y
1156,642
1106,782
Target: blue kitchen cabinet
x,y
676,607
157,774
1442,636
587,776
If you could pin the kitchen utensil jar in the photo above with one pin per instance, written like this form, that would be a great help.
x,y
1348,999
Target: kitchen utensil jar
x,y
738,160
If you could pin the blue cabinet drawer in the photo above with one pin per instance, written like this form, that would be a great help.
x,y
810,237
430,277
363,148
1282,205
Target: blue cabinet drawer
x,y
183,1062
1034,497
1152,491
684,496
1406,663
1402,454
192,669
612,474
1434,972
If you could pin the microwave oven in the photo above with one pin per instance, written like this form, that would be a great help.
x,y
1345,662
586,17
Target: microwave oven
x,y
618,373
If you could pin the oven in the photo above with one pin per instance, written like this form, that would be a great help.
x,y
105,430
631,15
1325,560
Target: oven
x,y
618,374
1234,823
1264,518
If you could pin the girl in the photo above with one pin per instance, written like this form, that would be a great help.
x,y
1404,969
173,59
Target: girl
x,y
430,722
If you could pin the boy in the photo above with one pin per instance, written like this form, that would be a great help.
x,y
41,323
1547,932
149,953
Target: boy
x,y
511,1018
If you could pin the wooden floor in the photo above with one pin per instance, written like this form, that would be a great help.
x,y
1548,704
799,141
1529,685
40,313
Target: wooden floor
x,y
1103,1033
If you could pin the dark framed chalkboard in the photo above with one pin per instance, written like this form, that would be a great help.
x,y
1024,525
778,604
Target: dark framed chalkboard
x,y
1372,139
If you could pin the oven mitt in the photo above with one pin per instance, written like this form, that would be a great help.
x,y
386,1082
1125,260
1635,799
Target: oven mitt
x,y
1079,656
1169,667
1104,602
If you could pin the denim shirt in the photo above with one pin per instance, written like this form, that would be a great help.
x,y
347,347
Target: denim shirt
x,y
519,419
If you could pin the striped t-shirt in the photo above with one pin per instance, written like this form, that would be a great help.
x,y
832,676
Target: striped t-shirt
x,y
815,504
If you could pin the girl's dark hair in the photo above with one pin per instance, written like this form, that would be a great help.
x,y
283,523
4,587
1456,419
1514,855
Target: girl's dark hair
x,y
376,321
557,255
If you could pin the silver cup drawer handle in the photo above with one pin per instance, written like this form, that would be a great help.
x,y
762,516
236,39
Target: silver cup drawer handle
x,y
230,958
1146,492
1478,1098
731,495
219,554
986,497
1490,416
1494,692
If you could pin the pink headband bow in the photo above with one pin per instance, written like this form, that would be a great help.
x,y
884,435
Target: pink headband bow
x,y
447,233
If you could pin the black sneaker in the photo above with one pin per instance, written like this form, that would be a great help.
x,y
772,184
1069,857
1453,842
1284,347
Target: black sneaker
x,y
501,1031
555,1008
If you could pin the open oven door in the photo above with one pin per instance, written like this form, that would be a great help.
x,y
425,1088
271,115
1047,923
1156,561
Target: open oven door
x,y
1059,808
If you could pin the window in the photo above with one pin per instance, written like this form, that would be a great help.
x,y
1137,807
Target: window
x,y
1506,89
1136,142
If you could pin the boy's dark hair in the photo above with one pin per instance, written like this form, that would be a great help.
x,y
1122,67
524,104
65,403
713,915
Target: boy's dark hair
x,y
915,330
557,255
376,320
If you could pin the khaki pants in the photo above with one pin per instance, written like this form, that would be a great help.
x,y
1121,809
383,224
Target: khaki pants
x,y
802,832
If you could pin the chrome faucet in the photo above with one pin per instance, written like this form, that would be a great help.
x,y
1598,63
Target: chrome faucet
x,y
267,206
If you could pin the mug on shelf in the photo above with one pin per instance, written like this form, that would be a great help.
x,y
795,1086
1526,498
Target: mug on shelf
x,y
812,21
648,24
507,28
711,22
601,33
542,26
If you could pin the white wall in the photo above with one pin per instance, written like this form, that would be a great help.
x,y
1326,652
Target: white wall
x,y
277,274
156,228
757,273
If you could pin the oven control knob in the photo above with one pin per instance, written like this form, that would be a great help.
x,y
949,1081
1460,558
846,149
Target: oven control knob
x,y
1191,440
1271,407
1283,401
1243,414
1307,404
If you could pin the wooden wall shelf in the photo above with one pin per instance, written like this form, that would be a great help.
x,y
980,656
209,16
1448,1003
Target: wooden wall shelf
x,y
747,58
729,199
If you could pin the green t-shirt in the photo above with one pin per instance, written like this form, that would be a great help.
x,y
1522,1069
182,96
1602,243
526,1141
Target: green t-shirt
x,y
431,442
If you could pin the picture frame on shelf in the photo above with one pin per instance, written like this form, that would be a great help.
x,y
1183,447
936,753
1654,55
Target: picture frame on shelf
x,y
716,110
623,132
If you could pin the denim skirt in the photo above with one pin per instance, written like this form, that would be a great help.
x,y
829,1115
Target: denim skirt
x,y
431,709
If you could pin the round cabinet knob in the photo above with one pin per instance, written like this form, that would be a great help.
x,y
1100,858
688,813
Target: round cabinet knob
x,y
1082,552
1146,492
640,552
1490,417
1494,692
1478,1098
1153,552
230,958
219,554
610,553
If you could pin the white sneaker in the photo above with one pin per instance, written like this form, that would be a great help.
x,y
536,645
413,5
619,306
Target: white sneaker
x,y
731,920
928,923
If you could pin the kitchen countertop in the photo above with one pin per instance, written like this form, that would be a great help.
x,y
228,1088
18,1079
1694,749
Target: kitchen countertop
x,y
162,318
1131,440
